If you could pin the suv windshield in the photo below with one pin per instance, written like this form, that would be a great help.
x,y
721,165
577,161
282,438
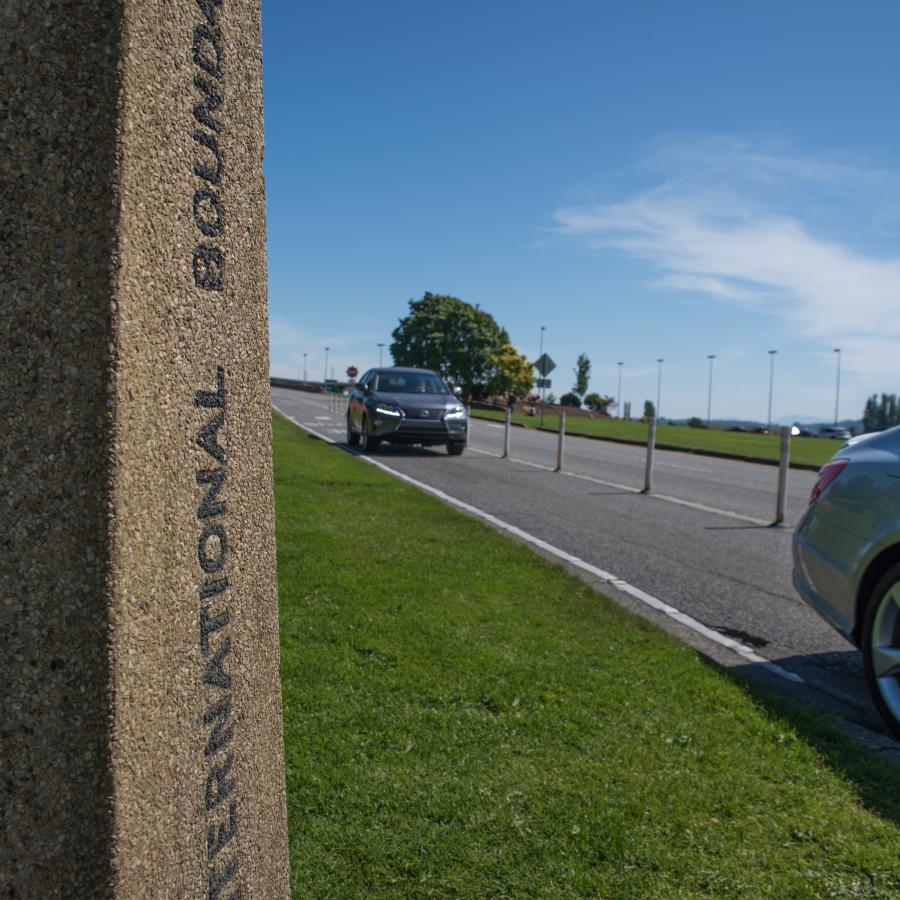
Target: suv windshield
x,y
409,383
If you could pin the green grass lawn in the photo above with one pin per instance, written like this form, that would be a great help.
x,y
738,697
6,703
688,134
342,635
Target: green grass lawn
x,y
805,451
464,719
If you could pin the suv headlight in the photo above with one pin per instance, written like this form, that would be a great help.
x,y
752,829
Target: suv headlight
x,y
455,412
381,410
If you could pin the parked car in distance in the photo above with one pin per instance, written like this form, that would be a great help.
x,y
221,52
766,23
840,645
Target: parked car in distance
x,y
833,431
847,557
405,405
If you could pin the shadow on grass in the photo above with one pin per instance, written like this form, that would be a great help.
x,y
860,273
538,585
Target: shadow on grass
x,y
875,775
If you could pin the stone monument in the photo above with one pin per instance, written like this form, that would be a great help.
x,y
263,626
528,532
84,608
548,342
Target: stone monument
x,y
141,744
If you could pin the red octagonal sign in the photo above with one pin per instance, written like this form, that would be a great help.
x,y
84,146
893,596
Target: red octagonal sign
x,y
352,372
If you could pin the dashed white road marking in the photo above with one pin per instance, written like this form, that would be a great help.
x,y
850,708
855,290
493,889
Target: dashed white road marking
x,y
691,504
613,581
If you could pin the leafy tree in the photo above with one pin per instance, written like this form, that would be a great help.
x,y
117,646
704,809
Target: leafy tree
x,y
513,374
582,372
551,399
649,409
460,341
570,399
599,403
881,413
696,422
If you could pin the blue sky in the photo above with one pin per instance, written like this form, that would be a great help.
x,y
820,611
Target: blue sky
x,y
644,179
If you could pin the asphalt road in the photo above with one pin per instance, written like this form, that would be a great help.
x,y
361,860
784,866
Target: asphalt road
x,y
746,489
700,542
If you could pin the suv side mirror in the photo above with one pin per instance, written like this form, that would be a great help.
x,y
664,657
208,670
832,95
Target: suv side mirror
x,y
457,391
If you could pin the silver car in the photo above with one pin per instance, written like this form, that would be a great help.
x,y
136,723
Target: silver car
x,y
835,431
847,557
406,406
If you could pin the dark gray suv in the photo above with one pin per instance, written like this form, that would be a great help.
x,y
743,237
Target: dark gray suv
x,y
406,406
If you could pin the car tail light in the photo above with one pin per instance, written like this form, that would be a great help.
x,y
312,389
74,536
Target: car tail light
x,y
827,474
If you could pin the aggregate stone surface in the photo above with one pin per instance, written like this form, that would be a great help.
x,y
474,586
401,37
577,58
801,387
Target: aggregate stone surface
x,y
142,750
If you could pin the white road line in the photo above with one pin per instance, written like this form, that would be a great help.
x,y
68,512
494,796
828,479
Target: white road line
x,y
742,650
686,468
692,504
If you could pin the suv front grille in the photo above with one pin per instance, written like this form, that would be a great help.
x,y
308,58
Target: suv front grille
x,y
415,415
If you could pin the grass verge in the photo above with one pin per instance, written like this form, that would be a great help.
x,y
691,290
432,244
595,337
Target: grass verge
x,y
805,451
464,719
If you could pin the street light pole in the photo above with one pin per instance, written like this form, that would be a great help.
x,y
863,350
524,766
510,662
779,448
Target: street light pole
x,y
837,387
543,377
380,348
326,364
771,384
619,390
304,366
659,387
711,357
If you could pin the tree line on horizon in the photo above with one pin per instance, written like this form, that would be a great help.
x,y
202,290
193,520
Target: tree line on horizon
x,y
881,412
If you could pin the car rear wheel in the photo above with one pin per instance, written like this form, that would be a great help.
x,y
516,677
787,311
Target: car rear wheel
x,y
881,647
367,443
352,436
455,448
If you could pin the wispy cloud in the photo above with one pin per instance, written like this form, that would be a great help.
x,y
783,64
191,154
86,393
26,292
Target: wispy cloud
x,y
764,161
713,235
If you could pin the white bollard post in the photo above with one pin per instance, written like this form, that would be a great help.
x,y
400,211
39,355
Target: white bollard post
x,y
784,462
506,433
562,438
651,446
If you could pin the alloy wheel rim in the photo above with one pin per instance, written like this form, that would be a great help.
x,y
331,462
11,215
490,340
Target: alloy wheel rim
x,y
885,649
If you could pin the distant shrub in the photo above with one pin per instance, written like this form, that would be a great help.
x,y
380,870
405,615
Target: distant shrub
x,y
599,403
570,399
696,422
